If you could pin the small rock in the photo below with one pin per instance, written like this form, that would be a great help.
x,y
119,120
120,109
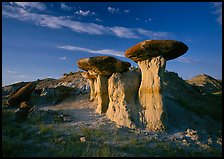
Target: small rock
x,y
66,118
219,141
82,139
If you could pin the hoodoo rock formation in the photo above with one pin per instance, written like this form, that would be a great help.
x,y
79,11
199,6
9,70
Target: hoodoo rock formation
x,y
102,67
123,93
151,56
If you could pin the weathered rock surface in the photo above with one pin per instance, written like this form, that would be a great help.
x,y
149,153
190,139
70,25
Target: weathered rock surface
x,y
10,90
151,56
92,82
22,94
103,65
206,83
123,103
151,92
102,94
22,112
169,49
51,95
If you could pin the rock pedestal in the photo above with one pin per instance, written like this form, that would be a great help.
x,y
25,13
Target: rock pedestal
x,y
151,56
150,92
102,94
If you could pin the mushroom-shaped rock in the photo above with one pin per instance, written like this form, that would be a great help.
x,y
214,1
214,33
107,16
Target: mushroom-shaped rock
x,y
102,67
151,56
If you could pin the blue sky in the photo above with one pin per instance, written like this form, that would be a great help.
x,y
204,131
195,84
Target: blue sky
x,y
41,40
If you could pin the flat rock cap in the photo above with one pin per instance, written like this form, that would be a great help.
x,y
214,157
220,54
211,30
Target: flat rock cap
x,y
169,49
103,65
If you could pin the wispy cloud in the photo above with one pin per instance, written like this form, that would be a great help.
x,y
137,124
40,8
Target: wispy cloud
x,y
12,72
148,20
21,76
126,11
99,20
103,51
62,58
113,10
55,22
218,11
27,5
85,13
187,60
65,7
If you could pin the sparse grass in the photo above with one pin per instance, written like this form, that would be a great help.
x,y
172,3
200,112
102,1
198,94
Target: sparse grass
x,y
37,138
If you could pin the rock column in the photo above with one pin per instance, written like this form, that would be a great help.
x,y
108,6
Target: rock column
x,y
102,94
150,92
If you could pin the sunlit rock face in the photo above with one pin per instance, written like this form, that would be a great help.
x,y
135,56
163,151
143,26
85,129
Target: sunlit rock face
x,y
123,93
151,56
102,67
151,93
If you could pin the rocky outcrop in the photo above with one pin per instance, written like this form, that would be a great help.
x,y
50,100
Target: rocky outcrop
x,y
206,83
102,67
123,93
10,90
22,94
50,95
151,56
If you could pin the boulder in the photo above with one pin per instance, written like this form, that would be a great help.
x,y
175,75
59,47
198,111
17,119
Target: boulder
x,y
23,111
22,94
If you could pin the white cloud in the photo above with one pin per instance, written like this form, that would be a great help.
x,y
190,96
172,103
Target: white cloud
x,y
62,58
85,13
12,72
103,51
218,11
65,7
153,34
137,18
186,60
55,22
113,10
25,5
124,32
99,20
126,11
21,76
